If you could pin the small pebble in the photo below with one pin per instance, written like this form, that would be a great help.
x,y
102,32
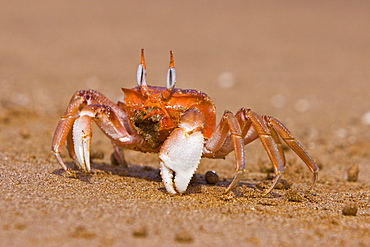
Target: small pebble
x,y
82,232
25,133
350,209
294,196
353,173
211,177
140,232
184,237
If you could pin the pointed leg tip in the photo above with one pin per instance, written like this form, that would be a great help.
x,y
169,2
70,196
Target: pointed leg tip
x,y
231,187
274,183
227,191
315,178
235,181
264,194
71,173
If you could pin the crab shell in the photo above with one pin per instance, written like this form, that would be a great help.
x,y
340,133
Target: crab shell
x,y
159,111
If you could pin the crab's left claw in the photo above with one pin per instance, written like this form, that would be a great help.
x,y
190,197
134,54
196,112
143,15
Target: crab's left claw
x,y
180,154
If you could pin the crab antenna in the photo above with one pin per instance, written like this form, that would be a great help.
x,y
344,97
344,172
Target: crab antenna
x,y
141,70
171,73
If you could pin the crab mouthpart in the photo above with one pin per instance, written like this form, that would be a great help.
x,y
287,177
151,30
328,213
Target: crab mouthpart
x,y
180,156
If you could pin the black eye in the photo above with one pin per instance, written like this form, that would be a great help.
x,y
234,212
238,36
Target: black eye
x,y
141,70
171,78
141,75
171,73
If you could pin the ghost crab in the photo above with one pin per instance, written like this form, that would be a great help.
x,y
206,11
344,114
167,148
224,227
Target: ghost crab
x,y
178,124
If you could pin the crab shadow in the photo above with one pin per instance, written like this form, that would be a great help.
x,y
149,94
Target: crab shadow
x,y
147,173
102,168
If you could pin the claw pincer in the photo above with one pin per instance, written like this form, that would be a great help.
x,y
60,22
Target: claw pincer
x,y
181,152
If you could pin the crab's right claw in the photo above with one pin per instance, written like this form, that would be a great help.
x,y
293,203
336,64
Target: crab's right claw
x,y
181,152
180,156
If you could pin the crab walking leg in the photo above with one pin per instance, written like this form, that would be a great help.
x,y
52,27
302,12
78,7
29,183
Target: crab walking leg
x,y
70,147
295,146
269,143
181,152
60,135
229,126
79,100
249,134
119,155
276,138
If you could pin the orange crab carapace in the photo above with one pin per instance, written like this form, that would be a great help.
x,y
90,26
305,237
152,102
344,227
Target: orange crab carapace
x,y
178,124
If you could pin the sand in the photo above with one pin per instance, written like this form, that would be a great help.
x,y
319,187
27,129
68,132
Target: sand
x,y
305,63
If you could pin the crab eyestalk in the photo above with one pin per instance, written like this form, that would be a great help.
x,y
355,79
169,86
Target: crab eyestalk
x,y
171,73
170,79
141,75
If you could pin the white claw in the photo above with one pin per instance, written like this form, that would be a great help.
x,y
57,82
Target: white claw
x,y
180,156
167,178
81,141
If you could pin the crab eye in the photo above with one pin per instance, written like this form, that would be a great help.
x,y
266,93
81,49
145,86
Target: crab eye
x,y
141,70
141,75
171,74
171,78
